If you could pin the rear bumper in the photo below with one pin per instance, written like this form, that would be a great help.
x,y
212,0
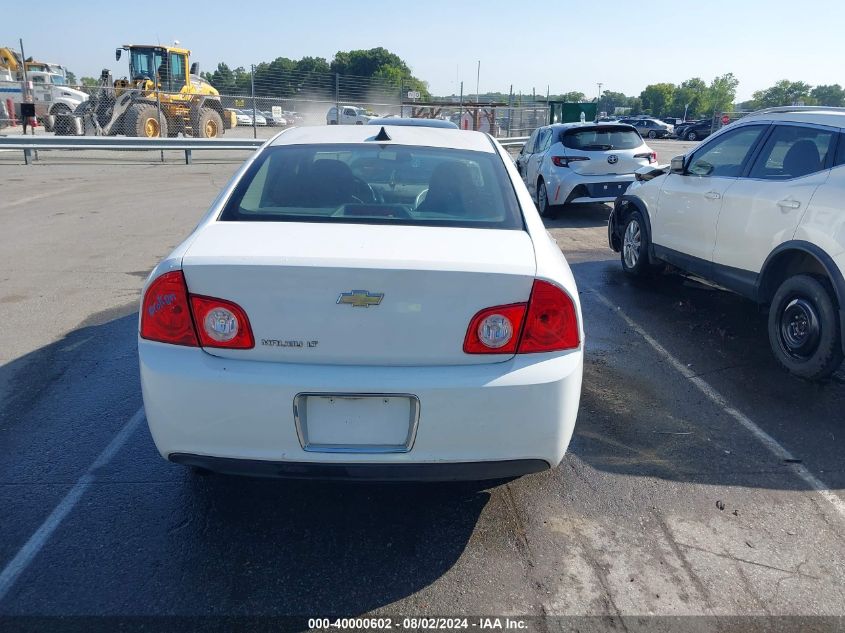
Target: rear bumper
x,y
520,412
452,471
574,188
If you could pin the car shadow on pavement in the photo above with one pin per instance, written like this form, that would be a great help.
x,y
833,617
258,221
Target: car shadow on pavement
x,y
639,416
579,216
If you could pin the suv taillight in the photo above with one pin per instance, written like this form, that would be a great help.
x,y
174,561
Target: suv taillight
x,y
171,315
547,323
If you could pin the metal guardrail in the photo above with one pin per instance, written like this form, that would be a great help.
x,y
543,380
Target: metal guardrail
x,y
28,144
513,141
33,143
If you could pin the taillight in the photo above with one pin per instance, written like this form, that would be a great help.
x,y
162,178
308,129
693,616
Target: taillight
x,y
563,161
495,330
548,323
551,323
166,316
651,156
221,323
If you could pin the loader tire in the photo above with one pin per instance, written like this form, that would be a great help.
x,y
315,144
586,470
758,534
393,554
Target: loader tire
x,y
142,120
208,124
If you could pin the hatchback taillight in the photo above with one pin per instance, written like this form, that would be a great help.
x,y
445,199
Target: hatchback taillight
x,y
564,161
547,323
650,156
171,315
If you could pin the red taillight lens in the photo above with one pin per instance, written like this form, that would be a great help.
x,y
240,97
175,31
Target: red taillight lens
x,y
495,330
166,316
563,161
548,323
221,323
551,323
651,156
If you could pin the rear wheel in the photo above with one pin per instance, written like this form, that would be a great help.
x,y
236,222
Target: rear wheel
x,y
142,119
546,210
804,329
652,134
692,136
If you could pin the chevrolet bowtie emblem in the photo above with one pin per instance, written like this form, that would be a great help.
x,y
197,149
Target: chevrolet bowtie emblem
x,y
361,298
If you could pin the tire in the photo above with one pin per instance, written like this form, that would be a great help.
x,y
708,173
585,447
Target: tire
x,y
142,120
208,124
652,134
546,210
634,251
692,136
804,329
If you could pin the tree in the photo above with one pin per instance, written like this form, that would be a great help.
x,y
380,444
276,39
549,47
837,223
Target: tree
x,y
570,97
784,92
71,78
657,98
610,100
832,95
721,93
690,98
90,82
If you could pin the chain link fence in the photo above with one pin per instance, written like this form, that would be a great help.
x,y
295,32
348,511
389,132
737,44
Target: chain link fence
x,y
265,98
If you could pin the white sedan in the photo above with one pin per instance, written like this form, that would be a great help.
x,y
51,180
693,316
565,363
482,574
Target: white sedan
x,y
369,304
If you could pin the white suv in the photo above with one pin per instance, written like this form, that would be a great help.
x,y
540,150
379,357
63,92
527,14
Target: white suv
x,y
759,209
571,163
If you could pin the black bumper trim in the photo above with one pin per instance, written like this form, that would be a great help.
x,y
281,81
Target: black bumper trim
x,y
441,471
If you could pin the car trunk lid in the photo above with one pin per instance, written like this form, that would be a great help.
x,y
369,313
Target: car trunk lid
x,y
357,293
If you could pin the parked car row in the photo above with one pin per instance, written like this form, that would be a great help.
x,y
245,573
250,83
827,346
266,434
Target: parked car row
x,y
266,118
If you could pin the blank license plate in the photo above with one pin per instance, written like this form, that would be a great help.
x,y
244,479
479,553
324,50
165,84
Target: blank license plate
x,y
352,423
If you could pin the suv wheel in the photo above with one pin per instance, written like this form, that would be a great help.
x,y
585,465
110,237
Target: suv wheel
x,y
634,251
692,136
804,328
652,134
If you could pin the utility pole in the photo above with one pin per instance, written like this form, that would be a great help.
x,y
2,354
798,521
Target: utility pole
x,y
478,83
252,83
599,84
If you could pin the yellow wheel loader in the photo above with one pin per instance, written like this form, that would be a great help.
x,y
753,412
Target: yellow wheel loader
x,y
160,97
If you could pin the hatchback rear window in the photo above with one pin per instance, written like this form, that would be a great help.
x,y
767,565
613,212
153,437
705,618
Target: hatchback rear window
x,y
597,139
376,185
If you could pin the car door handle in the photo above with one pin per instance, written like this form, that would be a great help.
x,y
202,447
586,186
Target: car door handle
x,y
712,195
789,204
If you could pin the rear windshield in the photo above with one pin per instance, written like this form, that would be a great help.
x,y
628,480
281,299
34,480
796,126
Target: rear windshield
x,y
376,185
606,137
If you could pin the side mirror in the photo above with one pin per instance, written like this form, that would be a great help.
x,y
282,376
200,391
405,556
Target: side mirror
x,y
195,68
117,53
677,165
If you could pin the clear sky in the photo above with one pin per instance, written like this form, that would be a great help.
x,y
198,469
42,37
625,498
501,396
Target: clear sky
x,y
561,44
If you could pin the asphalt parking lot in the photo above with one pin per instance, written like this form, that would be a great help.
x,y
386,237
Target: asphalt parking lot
x,y
701,481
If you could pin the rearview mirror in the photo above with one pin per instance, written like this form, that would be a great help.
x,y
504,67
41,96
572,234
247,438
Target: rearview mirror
x,y
677,165
117,53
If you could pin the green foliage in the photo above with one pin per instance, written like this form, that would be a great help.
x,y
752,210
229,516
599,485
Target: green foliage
x,y
721,93
832,95
362,70
71,78
693,93
89,82
569,97
784,92
657,98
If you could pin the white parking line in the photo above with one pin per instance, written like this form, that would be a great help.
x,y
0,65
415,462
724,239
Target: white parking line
x,y
12,571
767,440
